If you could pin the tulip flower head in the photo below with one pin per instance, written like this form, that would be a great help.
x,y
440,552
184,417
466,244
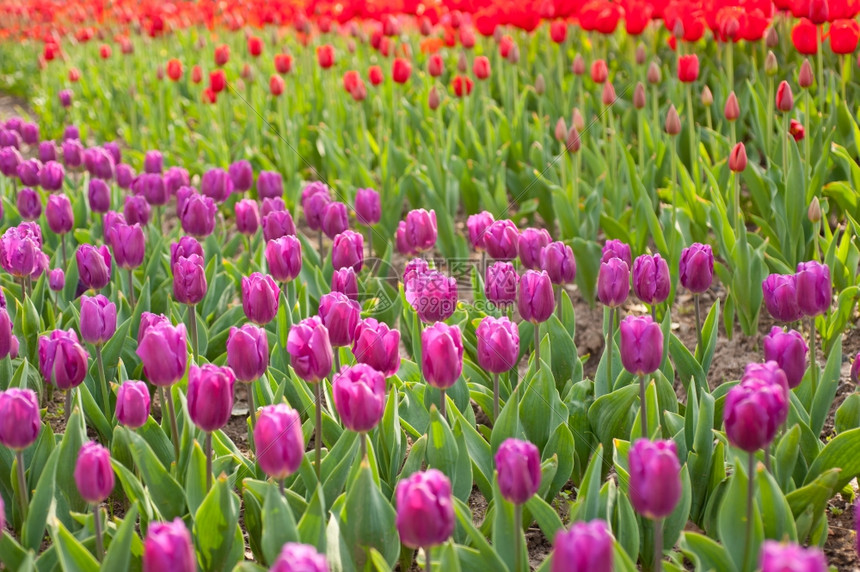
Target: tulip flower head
x,y
780,297
518,466
168,547
296,557
260,298
310,350
62,360
789,350
378,346
641,345
248,352
778,557
210,396
425,509
814,289
132,404
20,420
93,473
651,281
279,440
359,394
441,355
498,344
585,547
655,478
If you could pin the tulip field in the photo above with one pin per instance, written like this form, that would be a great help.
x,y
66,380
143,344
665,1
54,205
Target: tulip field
x,y
306,286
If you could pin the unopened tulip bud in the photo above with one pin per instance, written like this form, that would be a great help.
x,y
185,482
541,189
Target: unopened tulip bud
x,y
573,143
608,97
514,54
586,547
655,478
640,54
771,67
518,466
678,30
132,404
772,38
639,96
168,547
93,473
732,110
641,344
784,97
540,84
814,212
433,99
805,78
707,96
578,66
462,63
577,120
425,509
560,130
673,122
654,73
738,158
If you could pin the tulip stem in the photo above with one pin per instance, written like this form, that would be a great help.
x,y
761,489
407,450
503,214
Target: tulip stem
x,y
320,244
173,426
643,409
131,289
698,322
252,409
97,524
609,380
282,487
65,259
427,560
318,428
442,405
813,362
784,135
68,405
750,500
103,380
22,485
769,122
537,346
23,289
495,398
336,355
806,136
208,446
363,441
694,159
658,545
518,536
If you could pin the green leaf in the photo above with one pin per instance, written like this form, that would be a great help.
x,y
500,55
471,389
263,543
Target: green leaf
x,y
442,449
491,558
195,478
840,453
41,505
367,521
72,554
732,521
541,408
165,492
589,493
779,523
312,525
12,554
611,416
827,386
786,456
848,414
215,523
545,515
279,526
705,354
809,502
707,554
119,551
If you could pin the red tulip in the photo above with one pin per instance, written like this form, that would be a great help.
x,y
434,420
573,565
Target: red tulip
x,y
174,69
435,65
558,31
688,68
196,74
795,128
506,44
276,85
804,36
843,36
481,67
600,16
784,97
350,80
738,158
400,70
461,85
255,46
599,71
217,81
283,63
104,51
375,75
819,12
325,56
222,55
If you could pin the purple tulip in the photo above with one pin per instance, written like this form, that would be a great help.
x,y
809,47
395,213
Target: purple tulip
x,y
477,225
310,350
279,440
616,249
789,350
277,224
368,207
346,282
189,280
62,360
28,172
47,151
295,557
641,345
535,300
501,240
655,478
778,557
348,250
558,262
98,319
400,242
216,184
242,176
58,212
168,547
20,249
56,279
378,346
260,298
94,266
175,178
10,139
854,373
73,153
754,409
284,258
247,216
197,214
248,352
71,132
186,246
413,274
30,133
696,268
29,204
335,219
441,355
153,162
151,187
420,230
163,350
93,473
780,297
500,283
651,282
498,344
51,176
586,547
270,185
433,296
136,210
20,420
125,176
340,316
5,333
98,194
147,320
100,163
132,404
613,282
10,158
425,509
113,148
359,397
530,244
315,199
518,465
274,205
210,396
814,289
